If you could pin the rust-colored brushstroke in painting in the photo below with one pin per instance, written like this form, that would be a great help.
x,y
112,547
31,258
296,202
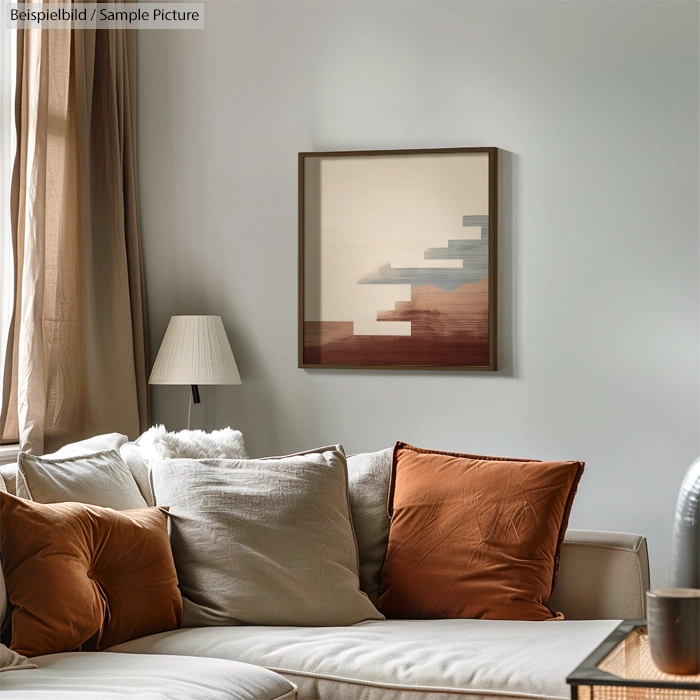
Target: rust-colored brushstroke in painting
x,y
447,328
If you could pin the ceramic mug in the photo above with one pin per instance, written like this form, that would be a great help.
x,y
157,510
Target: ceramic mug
x,y
673,621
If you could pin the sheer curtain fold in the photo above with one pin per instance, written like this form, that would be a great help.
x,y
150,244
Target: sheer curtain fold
x,y
77,353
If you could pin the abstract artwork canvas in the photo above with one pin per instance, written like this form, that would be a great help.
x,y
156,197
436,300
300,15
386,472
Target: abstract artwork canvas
x,y
397,259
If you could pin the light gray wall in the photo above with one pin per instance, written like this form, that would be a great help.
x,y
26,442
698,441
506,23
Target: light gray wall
x,y
595,106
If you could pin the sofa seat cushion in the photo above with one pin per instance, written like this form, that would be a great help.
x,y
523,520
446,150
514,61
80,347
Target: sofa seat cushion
x,y
402,659
100,676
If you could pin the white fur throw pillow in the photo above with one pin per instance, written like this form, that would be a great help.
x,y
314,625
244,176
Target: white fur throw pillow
x,y
157,443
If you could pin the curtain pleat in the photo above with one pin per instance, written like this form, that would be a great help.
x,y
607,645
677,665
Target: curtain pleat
x,y
77,355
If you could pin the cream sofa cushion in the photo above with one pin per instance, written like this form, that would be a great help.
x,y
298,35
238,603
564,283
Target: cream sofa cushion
x,y
8,478
263,541
98,443
100,479
131,454
368,488
100,676
403,659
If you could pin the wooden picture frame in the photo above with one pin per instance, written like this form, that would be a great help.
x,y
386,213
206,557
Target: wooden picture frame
x,y
397,259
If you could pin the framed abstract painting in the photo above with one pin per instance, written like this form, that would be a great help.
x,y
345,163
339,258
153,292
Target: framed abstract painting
x,y
397,259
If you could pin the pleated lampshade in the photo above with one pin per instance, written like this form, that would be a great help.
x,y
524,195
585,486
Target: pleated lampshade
x,y
195,350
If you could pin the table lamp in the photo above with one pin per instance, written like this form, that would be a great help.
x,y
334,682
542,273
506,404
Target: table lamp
x,y
195,350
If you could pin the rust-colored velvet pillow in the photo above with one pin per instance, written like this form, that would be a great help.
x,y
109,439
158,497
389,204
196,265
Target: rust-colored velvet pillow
x,y
474,537
82,577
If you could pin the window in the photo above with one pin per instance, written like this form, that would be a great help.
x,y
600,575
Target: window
x,y
8,43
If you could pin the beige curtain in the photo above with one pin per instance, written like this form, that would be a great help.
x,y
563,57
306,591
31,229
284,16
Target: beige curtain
x,y
77,352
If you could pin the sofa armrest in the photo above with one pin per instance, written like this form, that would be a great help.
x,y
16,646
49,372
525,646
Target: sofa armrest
x,y
602,575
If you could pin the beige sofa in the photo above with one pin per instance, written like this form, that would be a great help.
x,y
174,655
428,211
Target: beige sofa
x,y
603,579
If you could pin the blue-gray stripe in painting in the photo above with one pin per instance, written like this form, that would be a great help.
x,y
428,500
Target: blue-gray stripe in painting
x,y
475,256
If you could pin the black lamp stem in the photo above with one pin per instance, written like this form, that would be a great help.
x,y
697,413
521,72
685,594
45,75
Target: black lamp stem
x,y
195,393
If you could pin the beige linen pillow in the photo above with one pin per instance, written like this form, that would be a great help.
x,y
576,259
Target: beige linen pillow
x,y
263,541
12,661
99,479
369,474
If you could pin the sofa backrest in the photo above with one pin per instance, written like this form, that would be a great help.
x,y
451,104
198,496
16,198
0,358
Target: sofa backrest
x,y
602,575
